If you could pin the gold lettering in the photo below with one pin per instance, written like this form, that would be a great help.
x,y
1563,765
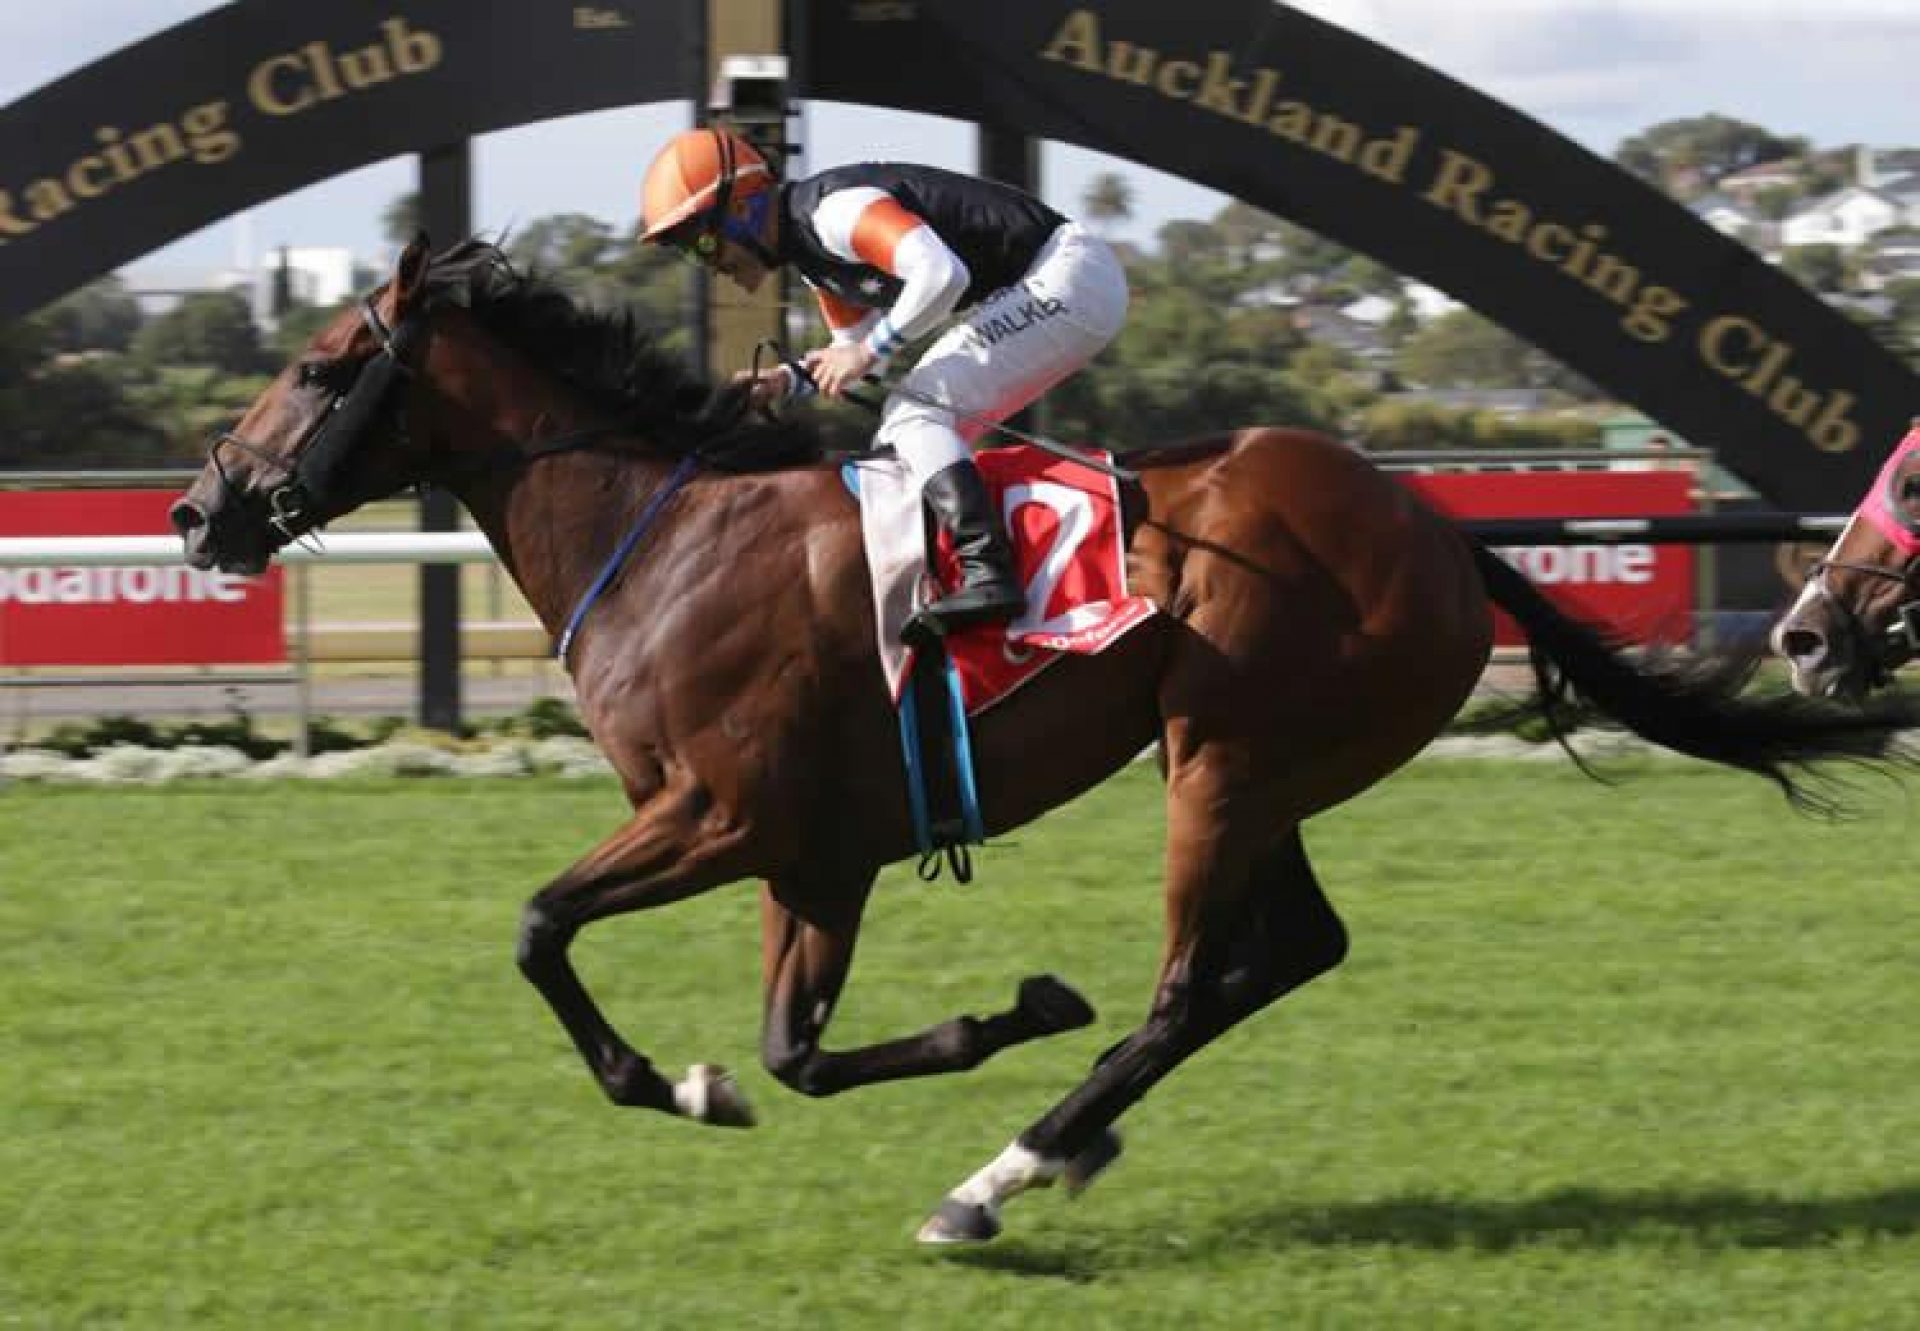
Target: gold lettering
x,y
124,167
1793,401
156,146
1546,239
46,200
1172,74
80,179
1387,158
1651,318
418,52
325,78
1613,278
1510,220
1077,42
365,68
1128,63
1218,92
1459,185
9,224
263,93
1832,432
1262,100
1727,341
1292,120
208,135
1336,137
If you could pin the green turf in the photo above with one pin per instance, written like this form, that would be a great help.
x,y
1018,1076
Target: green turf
x,y
1635,1057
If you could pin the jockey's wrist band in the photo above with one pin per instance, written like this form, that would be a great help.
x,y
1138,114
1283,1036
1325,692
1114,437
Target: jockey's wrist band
x,y
884,340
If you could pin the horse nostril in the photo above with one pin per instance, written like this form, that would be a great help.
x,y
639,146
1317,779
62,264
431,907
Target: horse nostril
x,y
1800,644
186,517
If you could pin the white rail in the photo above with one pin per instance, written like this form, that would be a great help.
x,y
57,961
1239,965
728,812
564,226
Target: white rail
x,y
453,547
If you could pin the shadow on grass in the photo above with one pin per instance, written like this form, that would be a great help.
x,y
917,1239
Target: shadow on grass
x,y
1573,1218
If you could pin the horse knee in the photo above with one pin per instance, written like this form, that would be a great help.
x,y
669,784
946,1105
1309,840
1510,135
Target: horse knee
x,y
541,938
798,1067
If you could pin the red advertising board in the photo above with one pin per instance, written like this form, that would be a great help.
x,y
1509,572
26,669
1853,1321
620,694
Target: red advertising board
x,y
1645,592
165,615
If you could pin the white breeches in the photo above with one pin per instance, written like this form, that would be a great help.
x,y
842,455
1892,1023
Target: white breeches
x,y
1007,351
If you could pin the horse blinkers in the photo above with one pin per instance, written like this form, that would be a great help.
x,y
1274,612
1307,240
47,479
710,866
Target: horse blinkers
x,y
311,476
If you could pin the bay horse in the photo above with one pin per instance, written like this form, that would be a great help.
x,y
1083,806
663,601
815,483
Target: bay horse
x,y
1857,618
1318,626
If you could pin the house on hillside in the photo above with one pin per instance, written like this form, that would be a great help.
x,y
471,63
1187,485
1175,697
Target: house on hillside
x,y
1894,256
1745,185
1735,217
1847,218
1323,324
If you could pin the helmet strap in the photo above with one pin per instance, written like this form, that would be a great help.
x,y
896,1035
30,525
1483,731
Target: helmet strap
x,y
747,232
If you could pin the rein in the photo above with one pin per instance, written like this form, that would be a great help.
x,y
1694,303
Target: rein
x,y
648,516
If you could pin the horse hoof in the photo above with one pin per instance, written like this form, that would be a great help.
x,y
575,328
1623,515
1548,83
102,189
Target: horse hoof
x,y
711,1095
1084,1168
1053,1005
959,1222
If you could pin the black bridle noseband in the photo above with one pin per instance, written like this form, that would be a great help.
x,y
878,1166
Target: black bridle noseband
x,y
309,472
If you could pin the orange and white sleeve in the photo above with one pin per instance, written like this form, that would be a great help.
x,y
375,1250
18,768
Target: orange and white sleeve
x,y
869,226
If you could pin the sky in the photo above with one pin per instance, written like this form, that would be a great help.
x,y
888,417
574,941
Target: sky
x,y
1835,71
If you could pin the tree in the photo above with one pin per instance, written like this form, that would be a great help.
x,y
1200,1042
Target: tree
x,y
100,316
1821,268
401,221
1462,349
1686,156
212,328
1108,201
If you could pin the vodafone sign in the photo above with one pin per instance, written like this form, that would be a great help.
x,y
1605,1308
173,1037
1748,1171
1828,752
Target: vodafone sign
x,y
1643,592
156,615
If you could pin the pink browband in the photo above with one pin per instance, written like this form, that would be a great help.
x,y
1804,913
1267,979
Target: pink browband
x,y
1876,507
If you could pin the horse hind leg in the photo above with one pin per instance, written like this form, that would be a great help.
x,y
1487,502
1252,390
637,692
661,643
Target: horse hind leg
x,y
1278,934
808,932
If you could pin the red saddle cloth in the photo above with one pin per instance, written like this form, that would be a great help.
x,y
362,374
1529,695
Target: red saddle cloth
x,y
1069,545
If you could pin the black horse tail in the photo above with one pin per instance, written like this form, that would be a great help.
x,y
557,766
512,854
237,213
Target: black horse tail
x,y
1698,706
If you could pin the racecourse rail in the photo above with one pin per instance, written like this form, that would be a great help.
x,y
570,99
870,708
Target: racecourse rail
x,y
472,548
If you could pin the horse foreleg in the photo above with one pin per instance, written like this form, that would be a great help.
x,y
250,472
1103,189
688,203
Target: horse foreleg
x,y
670,850
1223,964
808,940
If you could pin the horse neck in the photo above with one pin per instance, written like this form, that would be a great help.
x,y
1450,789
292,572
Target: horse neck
x,y
555,521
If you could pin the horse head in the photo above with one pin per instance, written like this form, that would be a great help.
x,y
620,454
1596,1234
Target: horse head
x,y
1858,617
304,452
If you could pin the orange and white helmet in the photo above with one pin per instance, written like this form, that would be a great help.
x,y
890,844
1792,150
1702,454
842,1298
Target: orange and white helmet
x,y
697,178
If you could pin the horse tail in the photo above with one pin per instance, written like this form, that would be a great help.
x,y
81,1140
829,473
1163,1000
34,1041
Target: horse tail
x,y
1698,706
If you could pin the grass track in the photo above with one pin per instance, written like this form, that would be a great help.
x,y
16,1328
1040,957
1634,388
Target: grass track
x,y
1637,1056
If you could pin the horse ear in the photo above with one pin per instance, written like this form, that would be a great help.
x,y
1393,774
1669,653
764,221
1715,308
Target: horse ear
x,y
410,273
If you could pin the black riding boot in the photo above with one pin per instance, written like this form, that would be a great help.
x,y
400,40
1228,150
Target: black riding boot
x,y
989,589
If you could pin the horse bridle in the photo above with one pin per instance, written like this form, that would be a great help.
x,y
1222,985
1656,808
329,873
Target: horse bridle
x,y
309,471
1900,642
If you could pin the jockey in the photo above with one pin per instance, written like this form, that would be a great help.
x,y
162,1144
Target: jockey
x,y
893,252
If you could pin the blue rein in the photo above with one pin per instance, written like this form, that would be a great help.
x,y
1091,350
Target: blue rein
x,y
648,516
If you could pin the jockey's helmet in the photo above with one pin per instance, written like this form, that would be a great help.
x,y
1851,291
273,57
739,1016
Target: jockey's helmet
x,y
694,182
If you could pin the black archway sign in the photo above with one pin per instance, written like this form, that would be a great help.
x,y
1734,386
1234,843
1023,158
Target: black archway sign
x,y
1251,98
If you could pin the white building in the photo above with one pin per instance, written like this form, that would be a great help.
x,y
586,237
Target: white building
x,y
1847,218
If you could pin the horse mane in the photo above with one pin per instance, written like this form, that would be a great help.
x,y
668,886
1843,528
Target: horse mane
x,y
617,365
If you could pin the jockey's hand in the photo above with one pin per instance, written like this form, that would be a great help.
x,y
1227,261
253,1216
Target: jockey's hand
x,y
841,366
769,387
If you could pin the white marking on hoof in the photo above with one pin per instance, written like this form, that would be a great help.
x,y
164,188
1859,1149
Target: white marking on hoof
x,y
960,1222
709,1094
971,1212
